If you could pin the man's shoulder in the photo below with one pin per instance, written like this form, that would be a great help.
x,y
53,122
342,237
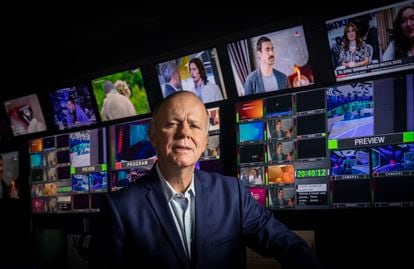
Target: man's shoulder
x,y
253,75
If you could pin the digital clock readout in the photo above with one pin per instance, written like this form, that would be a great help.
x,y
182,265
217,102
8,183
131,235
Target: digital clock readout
x,y
313,172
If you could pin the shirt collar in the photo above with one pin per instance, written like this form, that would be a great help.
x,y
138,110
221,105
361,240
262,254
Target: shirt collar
x,y
169,191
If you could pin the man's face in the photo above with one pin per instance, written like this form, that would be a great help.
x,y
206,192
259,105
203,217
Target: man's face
x,y
180,134
267,55
194,72
279,125
279,148
281,194
71,106
177,79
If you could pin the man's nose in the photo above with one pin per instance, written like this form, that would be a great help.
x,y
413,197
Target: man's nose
x,y
183,130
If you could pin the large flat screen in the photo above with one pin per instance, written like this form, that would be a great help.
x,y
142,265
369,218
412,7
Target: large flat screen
x,y
374,42
271,61
25,115
198,72
121,95
72,107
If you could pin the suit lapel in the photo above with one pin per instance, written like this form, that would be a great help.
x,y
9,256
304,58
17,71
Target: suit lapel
x,y
157,200
201,220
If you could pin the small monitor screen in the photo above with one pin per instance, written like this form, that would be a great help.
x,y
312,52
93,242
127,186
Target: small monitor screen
x,y
132,154
350,110
9,175
253,153
250,110
285,50
199,73
251,132
121,95
72,107
350,164
373,42
393,160
25,115
279,105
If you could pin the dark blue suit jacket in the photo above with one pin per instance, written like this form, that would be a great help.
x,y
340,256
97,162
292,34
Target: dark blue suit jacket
x,y
138,228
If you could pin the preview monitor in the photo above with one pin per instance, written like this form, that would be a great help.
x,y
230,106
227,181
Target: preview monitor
x,y
271,61
199,72
373,42
25,115
67,171
9,175
393,160
72,107
121,95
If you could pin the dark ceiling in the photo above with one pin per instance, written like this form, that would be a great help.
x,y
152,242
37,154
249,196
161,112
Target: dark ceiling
x,y
61,43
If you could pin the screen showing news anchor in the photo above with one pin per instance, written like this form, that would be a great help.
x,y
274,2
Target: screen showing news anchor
x,y
374,42
25,115
271,62
121,95
199,72
72,107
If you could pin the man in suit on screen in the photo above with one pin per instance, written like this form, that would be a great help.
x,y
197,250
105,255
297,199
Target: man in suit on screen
x,y
179,217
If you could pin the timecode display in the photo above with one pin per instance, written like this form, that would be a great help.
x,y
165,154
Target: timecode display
x,y
314,172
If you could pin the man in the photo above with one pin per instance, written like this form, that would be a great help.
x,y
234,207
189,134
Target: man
x,y
205,90
76,116
115,104
279,155
278,131
280,201
179,217
172,78
265,78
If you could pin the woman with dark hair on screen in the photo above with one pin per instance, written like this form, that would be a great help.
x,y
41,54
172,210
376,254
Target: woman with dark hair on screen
x,y
402,44
354,51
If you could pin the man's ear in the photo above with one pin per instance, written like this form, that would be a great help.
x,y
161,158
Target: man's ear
x,y
152,137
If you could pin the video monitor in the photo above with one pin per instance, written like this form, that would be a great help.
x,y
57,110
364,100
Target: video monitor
x,y
252,176
350,164
250,132
132,154
281,129
350,110
311,149
271,61
281,197
311,125
281,151
9,175
279,106
259,194
281,174
249,110
393,160
372,42
199,72
25,115
72,107
310,102
121,95
213,148
63,169
251,154
214,118
381,108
